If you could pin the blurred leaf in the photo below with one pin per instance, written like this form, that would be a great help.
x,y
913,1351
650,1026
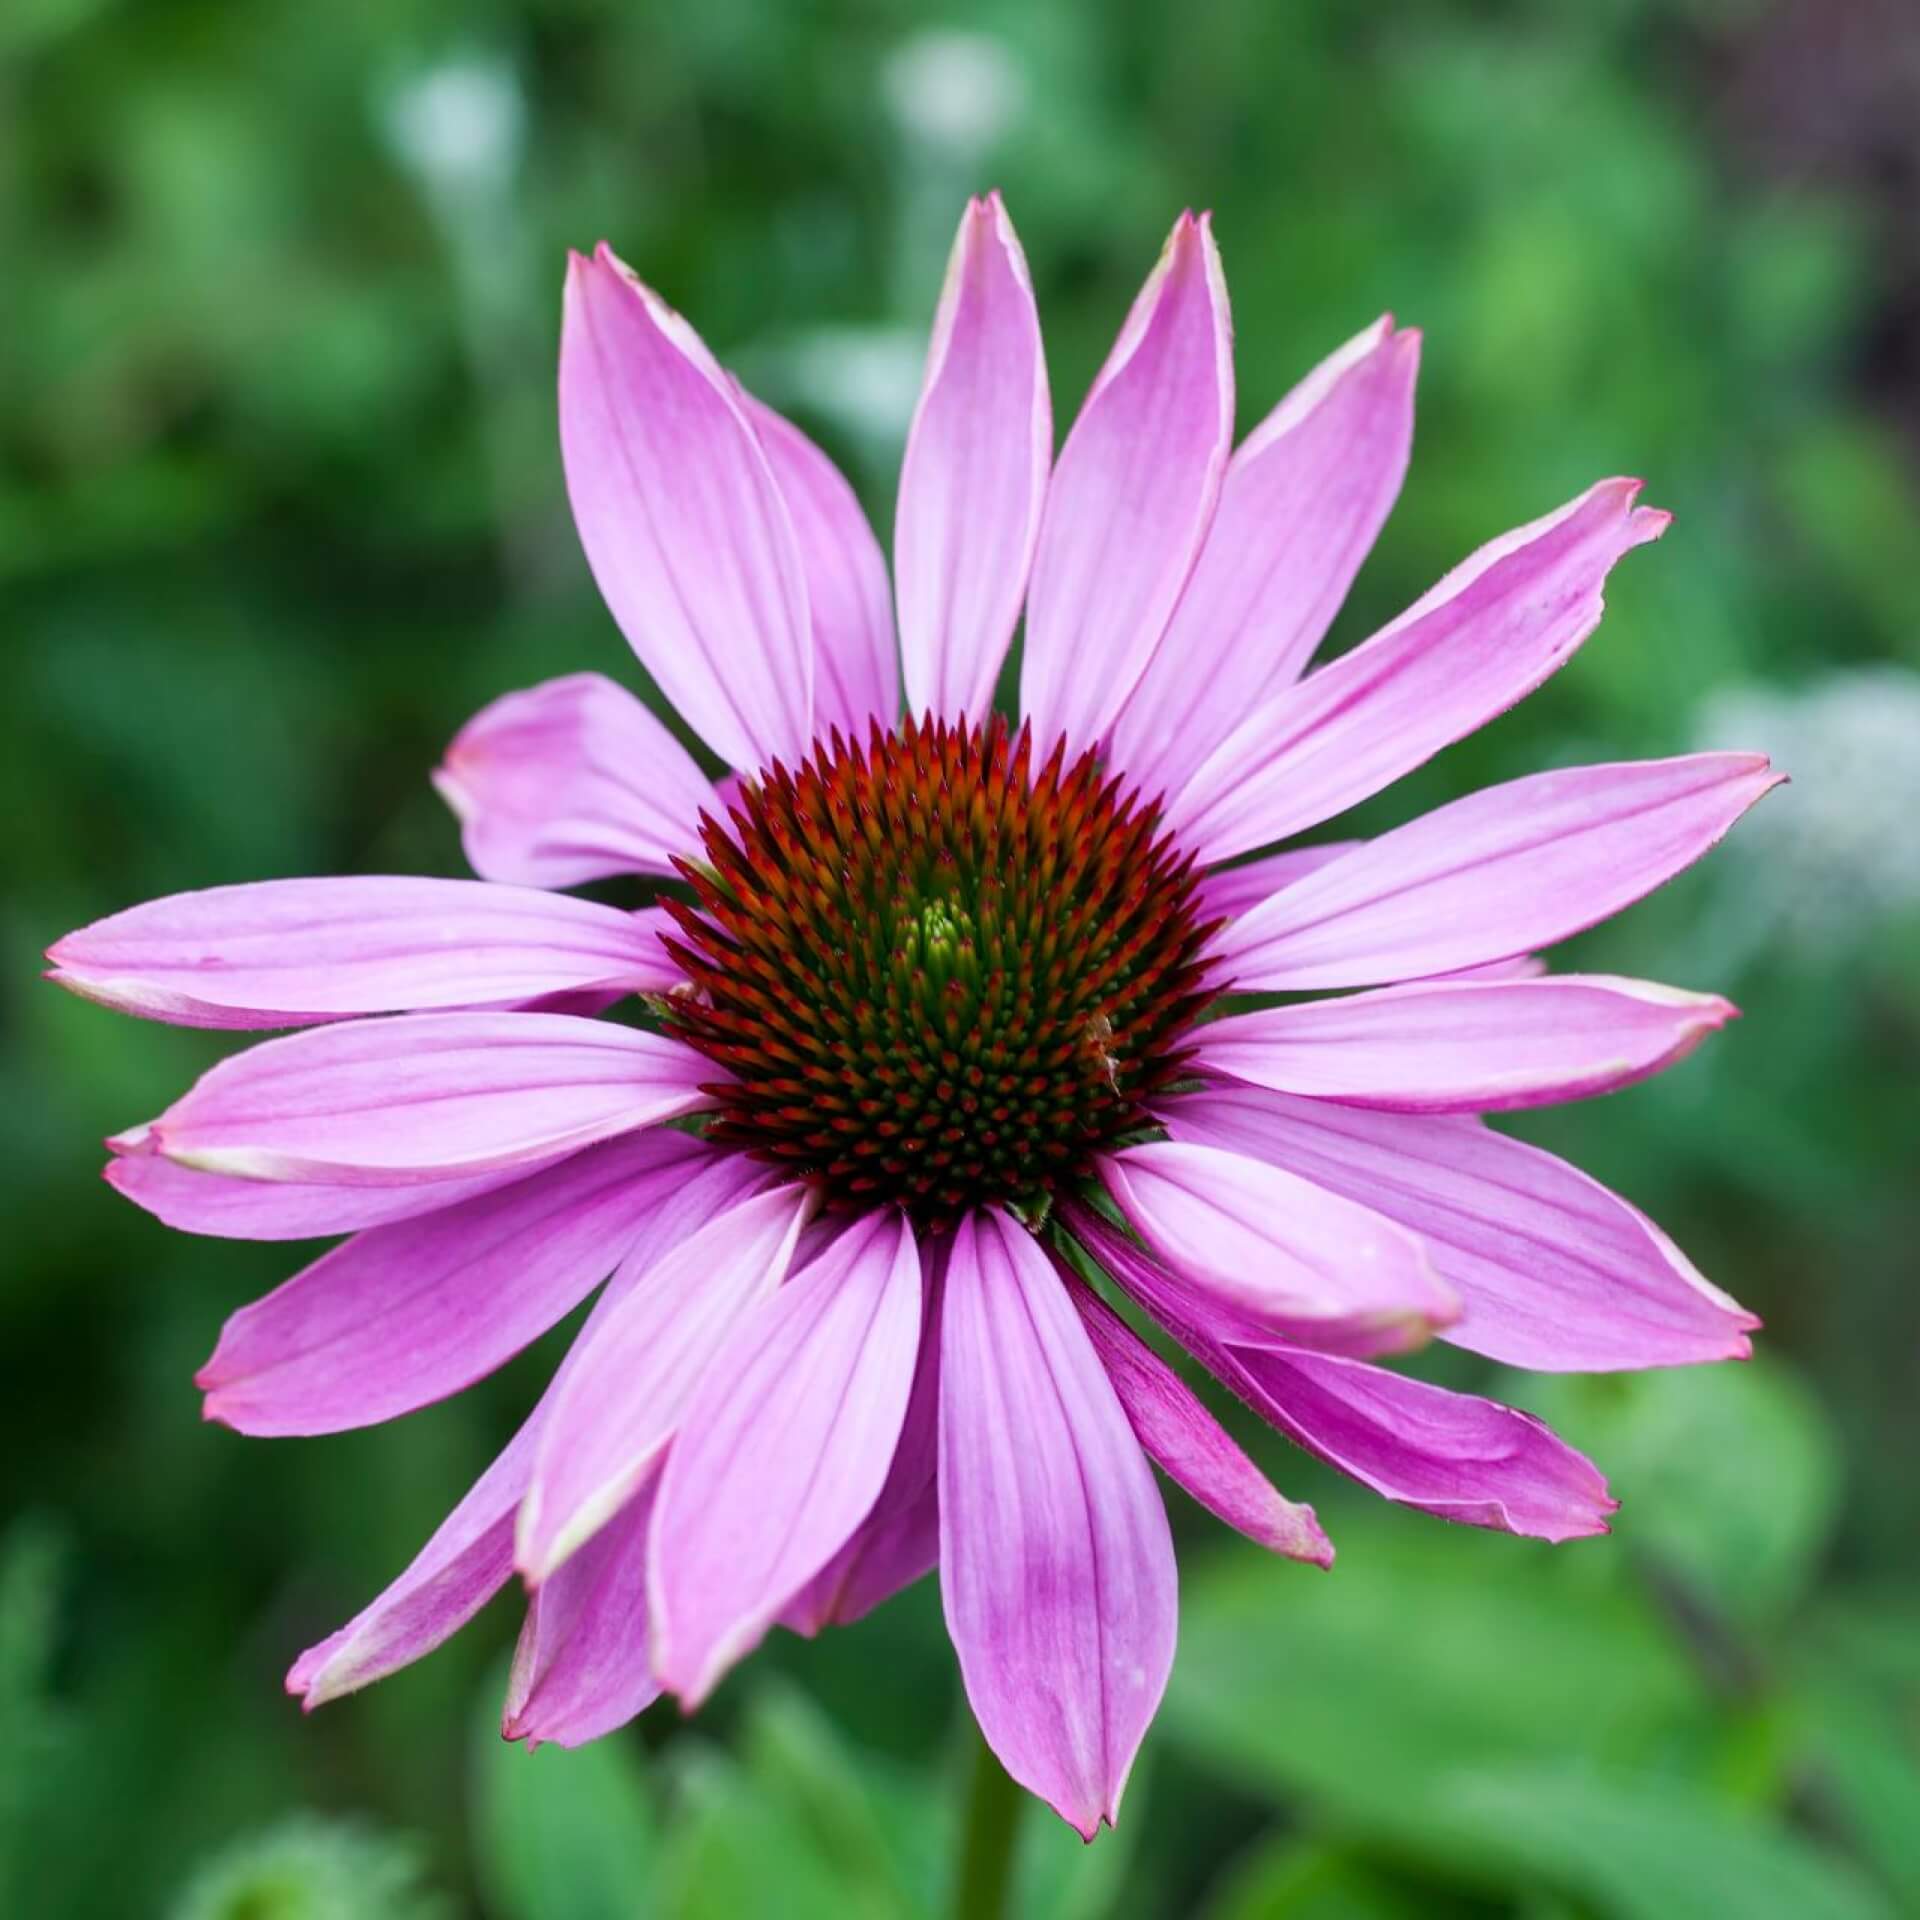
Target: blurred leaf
x,y
797,1757
30,1578
1645,1849
307,1868
1854,1710
560,1833
1425,1651
739,1848
1290,1879
1727,1476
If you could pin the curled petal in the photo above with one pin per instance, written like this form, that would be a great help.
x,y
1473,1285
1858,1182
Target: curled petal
x,y
1450,1454
783,1451
292,953
975,473
1466,1046
1132,497
1304,497
1505,870
1056,1566
235,1209
1264,1252
1485,637
856,676
681,517
571,781
423,1098
1555,1273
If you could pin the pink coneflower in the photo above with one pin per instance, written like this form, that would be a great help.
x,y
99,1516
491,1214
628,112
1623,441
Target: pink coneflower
x,y
945,1017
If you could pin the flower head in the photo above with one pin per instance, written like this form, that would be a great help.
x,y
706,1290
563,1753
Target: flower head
x,y
950,1033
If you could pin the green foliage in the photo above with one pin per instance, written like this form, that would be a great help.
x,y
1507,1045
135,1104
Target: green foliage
x,y
306,1868
280,506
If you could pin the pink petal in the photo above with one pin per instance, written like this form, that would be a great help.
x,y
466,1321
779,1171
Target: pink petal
x,y
580,1667
1502,871
1056,1566
682,519
470,1557
975,473
453,1576
1132,497
1556,1272
1523,966
1229,892
1269,1253
625,1399
1466,1046
1189,1445
1450,1454
783,1450
289,953
1485,637
423,1097
856,675
1304,498
404,1315
232,1209
570,781
899,1540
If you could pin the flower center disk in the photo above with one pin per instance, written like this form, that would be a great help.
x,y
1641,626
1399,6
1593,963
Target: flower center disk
x,y
935,977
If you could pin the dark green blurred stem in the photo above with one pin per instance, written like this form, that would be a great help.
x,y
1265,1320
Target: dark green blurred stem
x,y
986,1843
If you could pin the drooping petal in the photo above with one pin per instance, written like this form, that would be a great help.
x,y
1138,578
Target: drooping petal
x,y
1056,1566
1505,870
1132,497
470,1557
856,673
634,1380
1189,1445
571,781
423,1097
1451,1454
681,517
1278,1255
580,1665
1304,498
1228,892
233,1209
1556,1273
899,1540
783,1450
468,1561
974,475
404,1315
1466,1046
1482,639
291,953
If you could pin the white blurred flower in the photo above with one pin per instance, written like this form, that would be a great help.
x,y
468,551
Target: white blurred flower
x,y
460,125
864,380
958,91
1837,853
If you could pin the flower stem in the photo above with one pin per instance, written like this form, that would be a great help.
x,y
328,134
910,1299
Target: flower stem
x,y
986,1843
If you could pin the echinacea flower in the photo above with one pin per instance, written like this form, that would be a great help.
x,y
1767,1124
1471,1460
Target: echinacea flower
x,y
942,1017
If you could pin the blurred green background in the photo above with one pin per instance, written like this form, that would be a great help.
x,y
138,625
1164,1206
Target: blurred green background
x,y
280,505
